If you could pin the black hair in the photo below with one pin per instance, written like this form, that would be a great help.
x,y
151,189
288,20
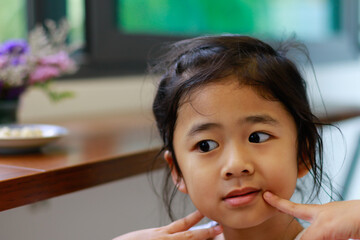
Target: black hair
x,y
193,63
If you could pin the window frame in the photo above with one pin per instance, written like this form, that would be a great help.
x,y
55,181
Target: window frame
x,y
110,52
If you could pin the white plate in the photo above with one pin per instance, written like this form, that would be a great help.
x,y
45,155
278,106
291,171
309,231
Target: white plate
x,y
50,133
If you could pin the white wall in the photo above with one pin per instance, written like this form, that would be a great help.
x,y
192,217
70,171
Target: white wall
x,y
339,85
112,95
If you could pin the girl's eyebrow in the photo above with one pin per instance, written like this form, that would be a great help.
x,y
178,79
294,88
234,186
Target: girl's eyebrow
x,y
202,127
262,118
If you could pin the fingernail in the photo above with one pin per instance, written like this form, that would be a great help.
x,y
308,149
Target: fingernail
x,y
218,229
268,195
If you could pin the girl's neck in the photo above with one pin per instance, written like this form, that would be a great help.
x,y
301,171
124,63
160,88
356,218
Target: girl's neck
x,y
281,227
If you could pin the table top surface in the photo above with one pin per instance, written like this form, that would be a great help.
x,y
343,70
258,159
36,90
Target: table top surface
x,y
119,145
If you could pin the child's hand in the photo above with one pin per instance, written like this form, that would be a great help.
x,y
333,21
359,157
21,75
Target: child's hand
x,y
175,231
335,220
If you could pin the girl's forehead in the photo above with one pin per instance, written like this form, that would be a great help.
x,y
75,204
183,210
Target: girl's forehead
x,y
229,93
217,95
232,81
209,85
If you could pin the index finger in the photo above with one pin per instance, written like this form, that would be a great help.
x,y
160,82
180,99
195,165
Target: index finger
x,y
302,211
185,223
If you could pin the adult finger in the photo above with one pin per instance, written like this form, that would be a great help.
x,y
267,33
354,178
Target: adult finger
x,y
302,211
200,234
185,223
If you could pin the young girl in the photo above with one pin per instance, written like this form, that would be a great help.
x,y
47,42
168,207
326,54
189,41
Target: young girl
x,y
238,132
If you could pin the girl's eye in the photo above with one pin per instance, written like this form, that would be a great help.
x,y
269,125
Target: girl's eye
x,y
258,137
207,145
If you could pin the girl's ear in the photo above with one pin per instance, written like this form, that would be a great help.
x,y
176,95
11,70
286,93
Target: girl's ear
x,y
302,168
177,180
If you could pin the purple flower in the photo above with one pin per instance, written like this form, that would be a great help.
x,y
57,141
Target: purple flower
x,y
43,73
15,47
61,60
17,60
3,61
15,51
25,63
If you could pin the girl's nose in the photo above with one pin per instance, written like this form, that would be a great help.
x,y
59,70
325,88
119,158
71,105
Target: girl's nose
x,y
237,164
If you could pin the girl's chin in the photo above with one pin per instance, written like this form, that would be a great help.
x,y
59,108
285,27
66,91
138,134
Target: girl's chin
x,y
239,220
242,225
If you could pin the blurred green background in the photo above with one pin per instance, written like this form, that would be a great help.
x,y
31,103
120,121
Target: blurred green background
x,y
312,20
13,19
308,19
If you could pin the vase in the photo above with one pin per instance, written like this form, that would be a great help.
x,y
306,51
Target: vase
x,y
8,111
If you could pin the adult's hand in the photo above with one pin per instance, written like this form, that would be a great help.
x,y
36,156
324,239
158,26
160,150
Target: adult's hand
x,y
335,220
177,230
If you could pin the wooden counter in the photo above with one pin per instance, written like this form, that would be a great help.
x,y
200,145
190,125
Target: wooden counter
x,y
96,151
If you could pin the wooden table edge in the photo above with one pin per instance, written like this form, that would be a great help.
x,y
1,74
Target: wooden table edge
x,y
44,185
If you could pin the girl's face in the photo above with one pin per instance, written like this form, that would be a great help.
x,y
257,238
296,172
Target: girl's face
x,y
232,145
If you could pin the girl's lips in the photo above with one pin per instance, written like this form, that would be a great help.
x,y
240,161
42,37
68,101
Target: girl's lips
x,y
241,197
